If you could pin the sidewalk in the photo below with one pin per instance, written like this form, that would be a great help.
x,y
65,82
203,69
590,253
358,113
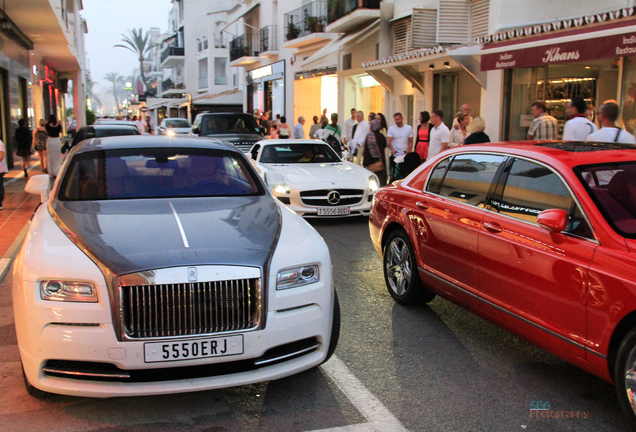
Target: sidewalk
x,y
18,209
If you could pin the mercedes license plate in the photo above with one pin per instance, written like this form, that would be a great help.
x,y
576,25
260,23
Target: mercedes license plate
x,y
333,211
193,349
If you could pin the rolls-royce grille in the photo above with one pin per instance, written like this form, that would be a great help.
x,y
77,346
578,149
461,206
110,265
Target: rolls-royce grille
x,y
190,308
325,197
244,146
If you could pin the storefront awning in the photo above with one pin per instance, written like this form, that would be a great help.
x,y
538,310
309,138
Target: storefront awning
x,y
615,39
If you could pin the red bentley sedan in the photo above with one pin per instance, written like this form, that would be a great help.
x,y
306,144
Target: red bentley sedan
x,y
537,237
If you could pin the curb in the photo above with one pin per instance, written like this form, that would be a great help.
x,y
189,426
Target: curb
x,y
7,259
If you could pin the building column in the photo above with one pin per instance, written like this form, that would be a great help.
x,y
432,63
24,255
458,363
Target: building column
x,y
491,104
79,99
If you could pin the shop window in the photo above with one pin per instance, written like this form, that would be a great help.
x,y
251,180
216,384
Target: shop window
x,y
445,95
628,99
346,61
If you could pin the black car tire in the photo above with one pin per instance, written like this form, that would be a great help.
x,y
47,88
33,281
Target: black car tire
x,y
401,274
36,393
335,328
626,361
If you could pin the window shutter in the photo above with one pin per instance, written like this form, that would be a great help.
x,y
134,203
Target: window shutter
x,y
453,21
424,28
401,35
479,12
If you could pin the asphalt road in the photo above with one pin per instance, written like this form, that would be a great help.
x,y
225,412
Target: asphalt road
x,y
426,368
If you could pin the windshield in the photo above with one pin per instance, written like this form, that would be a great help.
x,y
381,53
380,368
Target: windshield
x,y
176,123
613,188
298,153
228,123
100,133
157,173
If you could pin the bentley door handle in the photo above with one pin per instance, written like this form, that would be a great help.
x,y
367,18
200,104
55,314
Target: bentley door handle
x,y
421,205
493,227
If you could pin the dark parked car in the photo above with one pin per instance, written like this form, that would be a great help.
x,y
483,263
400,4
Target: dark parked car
x,y
236,128
104,130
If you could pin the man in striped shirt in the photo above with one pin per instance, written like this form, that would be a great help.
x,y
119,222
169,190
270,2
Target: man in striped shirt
x,y
544,126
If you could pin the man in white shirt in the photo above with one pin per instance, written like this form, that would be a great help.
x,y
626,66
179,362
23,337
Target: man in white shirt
x,y
362,130
400,136
438,138
609,132
141,124
347,129
299,132
578,127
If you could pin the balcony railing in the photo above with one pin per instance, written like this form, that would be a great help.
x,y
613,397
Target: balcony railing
x,y
171,85
220,80
310,18
269,40
203,82
246,45
171,51
220,43
341,8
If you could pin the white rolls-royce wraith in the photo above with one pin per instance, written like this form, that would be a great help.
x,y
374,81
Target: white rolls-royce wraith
x,y
163,265
311,179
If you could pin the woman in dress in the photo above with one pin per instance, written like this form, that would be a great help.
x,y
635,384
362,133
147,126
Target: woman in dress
x,y
40,136
23,140
53,146
456,137
284,131
422,135
373,154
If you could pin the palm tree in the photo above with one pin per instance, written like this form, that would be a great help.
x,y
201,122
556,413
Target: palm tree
x,y
140,44
90,93
117,81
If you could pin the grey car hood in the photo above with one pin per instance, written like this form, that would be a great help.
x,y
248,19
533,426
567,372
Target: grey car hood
x,y
130,236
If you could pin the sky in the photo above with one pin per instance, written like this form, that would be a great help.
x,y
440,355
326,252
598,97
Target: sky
x,y
106,21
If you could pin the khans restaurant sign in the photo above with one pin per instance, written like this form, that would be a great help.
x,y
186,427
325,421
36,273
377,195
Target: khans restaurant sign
x,y
567,52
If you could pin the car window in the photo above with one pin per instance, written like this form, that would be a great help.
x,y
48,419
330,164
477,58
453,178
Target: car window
x,y
228,123
437,176
157,173
298,153
176,123
469,177
531,188
100,133
613,189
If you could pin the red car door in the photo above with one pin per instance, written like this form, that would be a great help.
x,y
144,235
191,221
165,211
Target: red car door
x,y
447,221
532,278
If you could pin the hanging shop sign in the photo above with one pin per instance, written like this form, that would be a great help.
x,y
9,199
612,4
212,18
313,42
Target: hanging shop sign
x,y
622,45
266,73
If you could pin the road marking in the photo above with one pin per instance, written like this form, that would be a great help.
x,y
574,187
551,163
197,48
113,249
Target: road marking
x,y
379,417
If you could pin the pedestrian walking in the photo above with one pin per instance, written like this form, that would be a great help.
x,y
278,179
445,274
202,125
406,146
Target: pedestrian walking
x,y
3,170
464,109
347,129
23,140
591,115
423,134
319,133
323,117
40,136
438,140
284,131
332,134
371,117
578,127
609,132
359,136
53,146
544,126
400,136
314,127
299,132
141,124
476,132
373,157
384,127
456,137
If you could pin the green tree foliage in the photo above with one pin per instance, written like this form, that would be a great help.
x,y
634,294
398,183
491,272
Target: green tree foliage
x,y
139,43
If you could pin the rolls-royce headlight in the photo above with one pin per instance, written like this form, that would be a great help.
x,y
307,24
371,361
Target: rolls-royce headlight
x,y
373,184
298,276
56,290
170,132
282,189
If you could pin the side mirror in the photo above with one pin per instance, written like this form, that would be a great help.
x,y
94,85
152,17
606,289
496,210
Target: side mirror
x,y
195,130
39,184
555,220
